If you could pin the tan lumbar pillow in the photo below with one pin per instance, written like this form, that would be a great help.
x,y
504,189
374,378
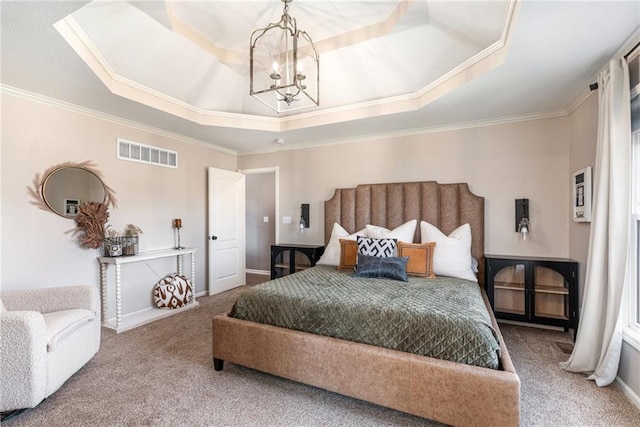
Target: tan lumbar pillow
x,y
348,254
420,258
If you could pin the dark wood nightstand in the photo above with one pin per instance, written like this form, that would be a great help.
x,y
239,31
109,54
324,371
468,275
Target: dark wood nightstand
x,y
285,261
534,290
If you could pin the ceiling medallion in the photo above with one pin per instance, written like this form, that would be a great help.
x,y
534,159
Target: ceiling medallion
x,y
284,66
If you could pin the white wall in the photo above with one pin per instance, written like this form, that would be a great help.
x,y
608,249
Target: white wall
x,y
503,162
38,251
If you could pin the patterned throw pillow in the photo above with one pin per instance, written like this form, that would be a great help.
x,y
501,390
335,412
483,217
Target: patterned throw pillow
x,y
376,247
172,291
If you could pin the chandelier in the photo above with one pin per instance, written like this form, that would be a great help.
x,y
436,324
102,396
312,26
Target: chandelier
x,y
284,66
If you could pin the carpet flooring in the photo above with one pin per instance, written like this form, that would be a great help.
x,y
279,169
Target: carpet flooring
x,y
161,374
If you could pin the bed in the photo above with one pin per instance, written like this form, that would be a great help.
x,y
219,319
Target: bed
x,y
442,390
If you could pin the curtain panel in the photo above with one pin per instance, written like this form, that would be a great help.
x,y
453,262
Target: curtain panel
x,y
599,339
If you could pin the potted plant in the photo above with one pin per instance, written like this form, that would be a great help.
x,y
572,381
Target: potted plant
x,y
131,239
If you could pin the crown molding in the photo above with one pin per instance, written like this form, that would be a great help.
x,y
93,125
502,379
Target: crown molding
x,y
51,102
413,132
30,96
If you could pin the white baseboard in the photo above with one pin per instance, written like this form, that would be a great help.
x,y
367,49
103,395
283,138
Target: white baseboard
x,y
261,272
631,395
142,317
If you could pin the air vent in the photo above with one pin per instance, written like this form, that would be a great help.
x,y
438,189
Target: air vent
x,y
135,152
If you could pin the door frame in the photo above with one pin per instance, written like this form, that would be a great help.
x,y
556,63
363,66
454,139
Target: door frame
x,y
276,170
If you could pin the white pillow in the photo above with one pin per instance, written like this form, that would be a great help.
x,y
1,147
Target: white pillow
x,y
331,255
452,255
403,233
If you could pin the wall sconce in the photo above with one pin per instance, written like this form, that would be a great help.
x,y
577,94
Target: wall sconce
x,y
304,217
523,224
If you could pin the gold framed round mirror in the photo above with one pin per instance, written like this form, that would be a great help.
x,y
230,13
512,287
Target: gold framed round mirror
x,y
63,188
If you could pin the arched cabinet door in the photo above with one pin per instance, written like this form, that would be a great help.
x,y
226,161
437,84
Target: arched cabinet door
x,y
289,258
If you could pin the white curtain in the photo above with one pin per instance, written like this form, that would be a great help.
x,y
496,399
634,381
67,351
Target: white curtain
x,y
599,338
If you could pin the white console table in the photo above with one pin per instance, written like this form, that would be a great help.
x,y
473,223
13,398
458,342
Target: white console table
x,y
151,314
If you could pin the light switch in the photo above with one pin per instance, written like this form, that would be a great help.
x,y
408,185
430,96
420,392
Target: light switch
x,y
265,219
286,220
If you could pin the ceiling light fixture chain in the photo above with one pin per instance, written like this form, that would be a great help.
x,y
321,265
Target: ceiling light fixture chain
x,y
284,66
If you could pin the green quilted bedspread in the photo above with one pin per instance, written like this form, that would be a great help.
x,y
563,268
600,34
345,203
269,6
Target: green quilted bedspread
x,y
444,318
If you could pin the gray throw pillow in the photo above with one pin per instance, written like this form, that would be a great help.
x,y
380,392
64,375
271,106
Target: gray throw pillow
x,y
376,267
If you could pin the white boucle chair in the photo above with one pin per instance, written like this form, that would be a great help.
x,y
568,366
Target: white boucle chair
x,y
46,335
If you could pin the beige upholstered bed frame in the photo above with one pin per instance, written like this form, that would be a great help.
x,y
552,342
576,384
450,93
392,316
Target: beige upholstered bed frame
x,y
440,390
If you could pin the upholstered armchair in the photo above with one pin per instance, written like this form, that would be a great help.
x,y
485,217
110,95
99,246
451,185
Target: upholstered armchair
x,y
46,335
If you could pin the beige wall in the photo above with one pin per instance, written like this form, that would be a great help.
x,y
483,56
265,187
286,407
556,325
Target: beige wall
x,y
503,162
584,130
37,250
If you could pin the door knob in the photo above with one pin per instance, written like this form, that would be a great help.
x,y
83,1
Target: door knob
x,y
214,237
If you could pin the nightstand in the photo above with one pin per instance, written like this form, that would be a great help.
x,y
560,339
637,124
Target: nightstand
x,y
534,290
285,259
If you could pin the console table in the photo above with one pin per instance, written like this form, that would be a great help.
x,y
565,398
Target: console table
x,y
153,313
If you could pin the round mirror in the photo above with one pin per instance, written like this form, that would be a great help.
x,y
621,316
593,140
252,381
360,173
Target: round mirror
x,y
63,188
66,188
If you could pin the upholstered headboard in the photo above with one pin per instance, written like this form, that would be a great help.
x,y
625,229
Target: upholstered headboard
x,y
446,206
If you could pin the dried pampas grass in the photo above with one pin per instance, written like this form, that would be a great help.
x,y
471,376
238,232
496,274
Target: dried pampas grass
x,y
91,220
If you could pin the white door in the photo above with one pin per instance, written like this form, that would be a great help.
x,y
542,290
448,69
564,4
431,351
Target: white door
x,y
226,230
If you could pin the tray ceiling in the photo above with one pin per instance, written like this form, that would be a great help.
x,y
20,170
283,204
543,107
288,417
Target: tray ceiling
x,y
387,67
191,59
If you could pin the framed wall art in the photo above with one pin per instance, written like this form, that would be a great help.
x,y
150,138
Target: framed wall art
x,y
582,195
71,207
